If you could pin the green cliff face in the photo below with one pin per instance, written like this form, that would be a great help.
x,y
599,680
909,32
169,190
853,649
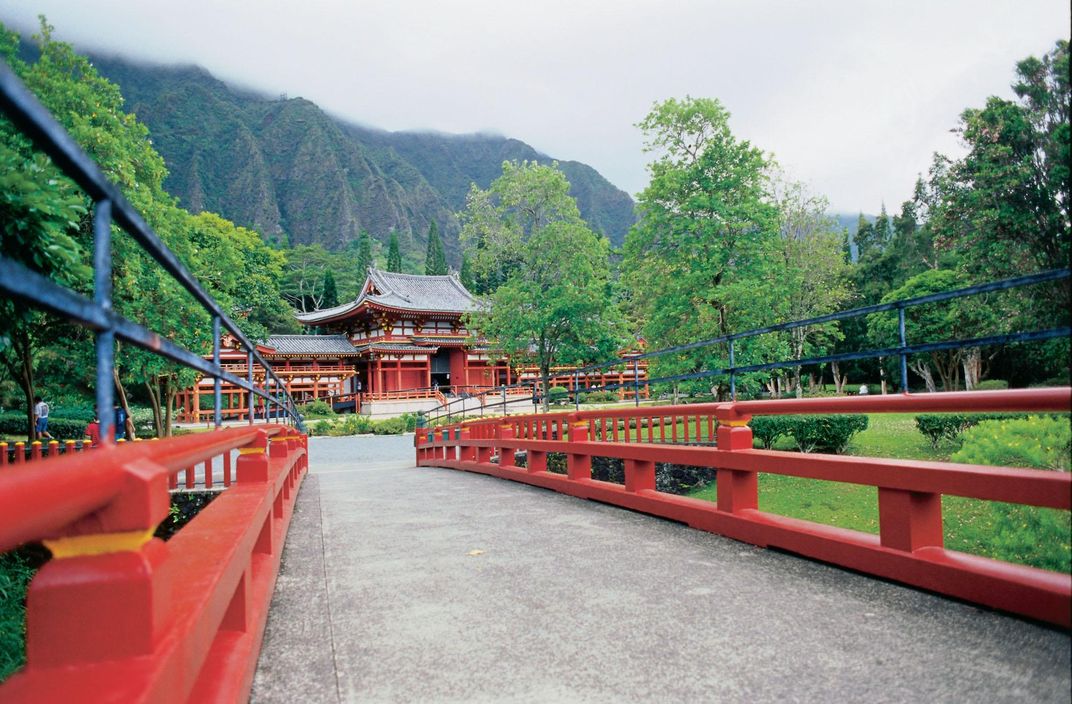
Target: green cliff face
x,y
285,167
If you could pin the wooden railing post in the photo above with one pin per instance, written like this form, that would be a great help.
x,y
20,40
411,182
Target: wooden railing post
x,y
506,454
909,520
639,475
578,464
737,490
252,462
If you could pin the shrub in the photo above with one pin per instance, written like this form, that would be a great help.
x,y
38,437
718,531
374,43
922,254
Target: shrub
x,y
810,433
14,423
948,426
389,426
992,385
317,408
1039,442
600,397
558,395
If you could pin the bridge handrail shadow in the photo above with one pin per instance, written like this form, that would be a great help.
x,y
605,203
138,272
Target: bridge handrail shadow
x,y
909,547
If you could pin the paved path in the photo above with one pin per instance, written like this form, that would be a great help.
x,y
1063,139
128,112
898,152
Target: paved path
x,y
401,584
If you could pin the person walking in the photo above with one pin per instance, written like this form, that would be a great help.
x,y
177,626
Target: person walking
x,y
40,411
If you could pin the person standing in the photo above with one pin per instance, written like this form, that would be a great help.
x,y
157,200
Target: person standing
x,y
40,419
120,423
92,432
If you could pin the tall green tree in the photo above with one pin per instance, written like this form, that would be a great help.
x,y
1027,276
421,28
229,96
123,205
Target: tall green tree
x,y
496,222
331,294
555,306
364,256
1004,207
811,277
394,254
699,255
435,259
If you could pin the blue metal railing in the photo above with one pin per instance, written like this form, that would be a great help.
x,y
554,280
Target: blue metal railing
x,y
903,350
110,207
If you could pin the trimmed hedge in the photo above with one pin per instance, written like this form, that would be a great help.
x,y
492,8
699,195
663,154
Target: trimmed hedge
x,y
670,478
830,434
992,385
59,428
357,424
948,426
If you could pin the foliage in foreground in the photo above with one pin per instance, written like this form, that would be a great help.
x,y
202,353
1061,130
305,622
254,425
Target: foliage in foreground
x,y
1040,442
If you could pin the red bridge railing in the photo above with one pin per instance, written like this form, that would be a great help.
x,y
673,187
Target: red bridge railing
x,y
118,615
909,547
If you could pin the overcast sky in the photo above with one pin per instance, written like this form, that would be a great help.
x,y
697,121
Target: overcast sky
x,y
851,96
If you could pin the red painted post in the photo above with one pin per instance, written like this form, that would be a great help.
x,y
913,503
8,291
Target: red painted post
x,y
737,490
3,454
252,463
35,450
118,600
536,461
639,475
909,520
190,477
20,452
227,468
578,464
278,446
467,454
68,447
506,454
208,473
53,448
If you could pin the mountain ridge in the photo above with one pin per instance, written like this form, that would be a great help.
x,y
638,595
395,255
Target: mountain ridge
x,y
285,166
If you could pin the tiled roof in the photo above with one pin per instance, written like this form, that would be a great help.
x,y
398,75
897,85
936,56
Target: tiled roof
x,y
310,344
439,339
435,294
394,347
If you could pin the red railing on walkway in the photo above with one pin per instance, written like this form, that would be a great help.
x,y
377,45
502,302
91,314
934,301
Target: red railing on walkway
x,y
909,547
118,615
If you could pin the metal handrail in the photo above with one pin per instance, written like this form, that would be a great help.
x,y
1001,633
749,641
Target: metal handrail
x,y
110,207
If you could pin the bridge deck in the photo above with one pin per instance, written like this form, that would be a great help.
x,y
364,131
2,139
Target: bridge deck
x,y
403,584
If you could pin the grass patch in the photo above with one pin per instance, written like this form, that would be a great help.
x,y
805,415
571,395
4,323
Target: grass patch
x,y
1027,535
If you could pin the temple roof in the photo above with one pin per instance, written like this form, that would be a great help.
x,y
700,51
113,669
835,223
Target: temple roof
x,y
310,344
409,292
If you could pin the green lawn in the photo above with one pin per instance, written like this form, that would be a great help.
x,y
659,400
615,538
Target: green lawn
x,y
1023,534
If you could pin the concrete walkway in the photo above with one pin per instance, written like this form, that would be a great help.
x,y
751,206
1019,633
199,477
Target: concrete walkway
x,y
401,584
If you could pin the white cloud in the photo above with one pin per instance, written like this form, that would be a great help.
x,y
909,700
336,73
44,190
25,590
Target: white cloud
x,y
851,96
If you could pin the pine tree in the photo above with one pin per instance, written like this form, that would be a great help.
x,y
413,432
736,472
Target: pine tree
x,y
394,254
331,294
364,255
466,274
435,260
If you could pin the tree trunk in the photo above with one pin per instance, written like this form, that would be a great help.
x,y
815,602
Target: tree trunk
x,y
154,401
169,394
839,381
772,387
882,374
924,370
545,382
27,383
972,362
128,427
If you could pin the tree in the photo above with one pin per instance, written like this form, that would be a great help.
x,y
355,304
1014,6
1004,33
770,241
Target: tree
x,y
555,310
1004,207
435,259
812,278
394,254
959,318
555,306
495,222
364,256
331,295
697,260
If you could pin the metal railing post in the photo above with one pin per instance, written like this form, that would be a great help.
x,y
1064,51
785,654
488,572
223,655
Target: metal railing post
x,y
636,382
733,375
102,296
217,405
904,357
249,377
